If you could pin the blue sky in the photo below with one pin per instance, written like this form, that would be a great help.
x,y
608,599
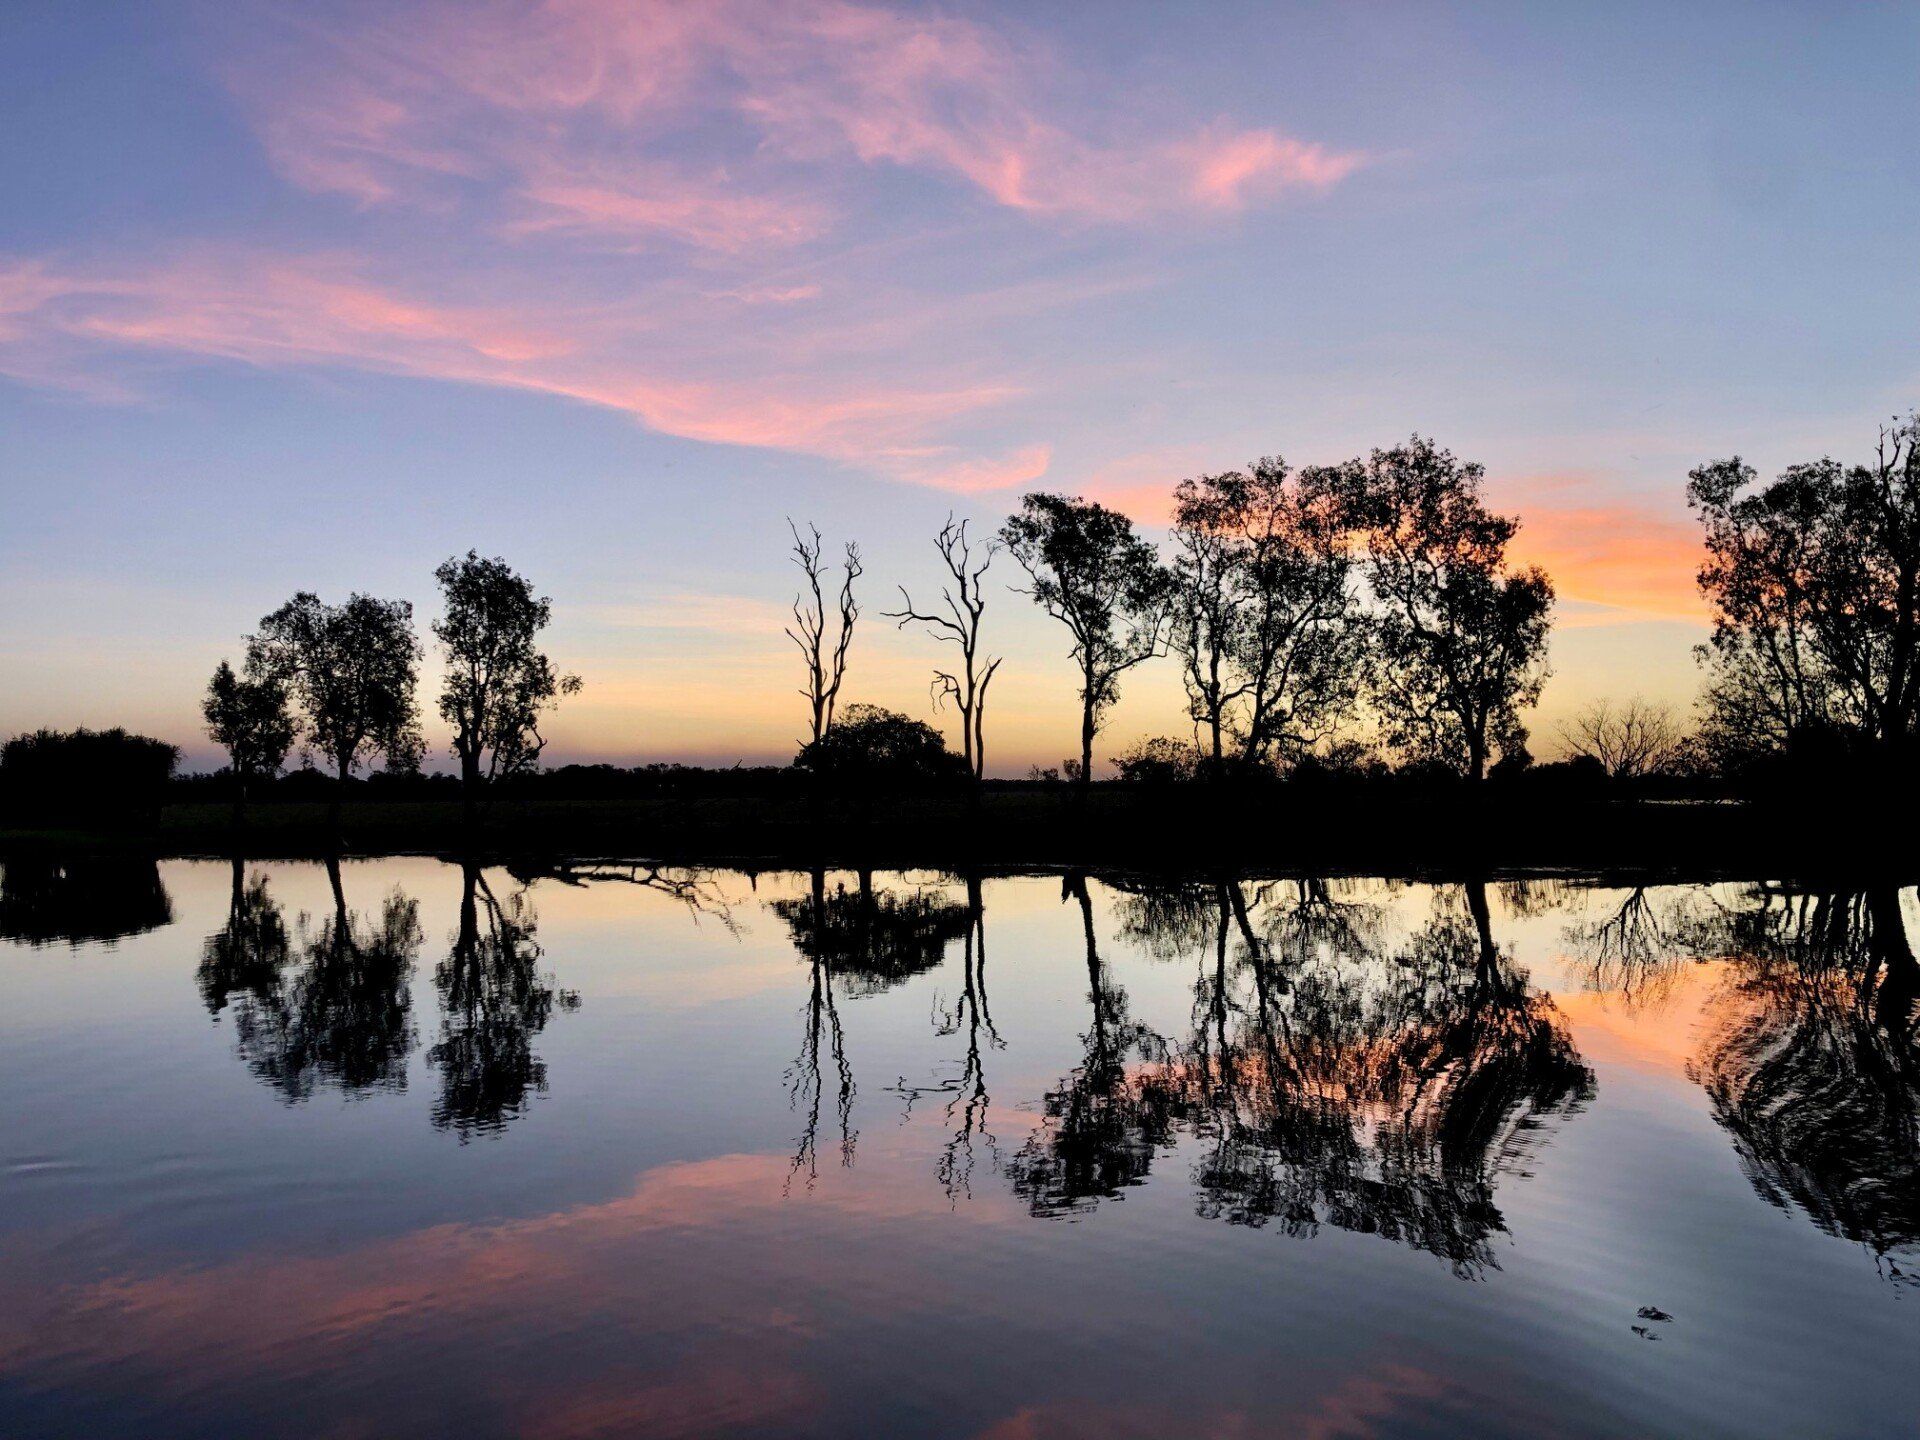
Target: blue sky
x,y
312,296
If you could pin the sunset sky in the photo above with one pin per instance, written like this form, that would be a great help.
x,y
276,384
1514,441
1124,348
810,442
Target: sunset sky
x,y
312,295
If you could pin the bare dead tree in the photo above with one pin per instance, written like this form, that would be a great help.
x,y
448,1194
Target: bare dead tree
x,y
966,602
1632,739
826,664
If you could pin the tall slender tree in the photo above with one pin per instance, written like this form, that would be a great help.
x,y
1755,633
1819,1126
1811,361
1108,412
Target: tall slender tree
x,y
352,669
497,681
249,719
966,602
1460,637
826,660
1090,571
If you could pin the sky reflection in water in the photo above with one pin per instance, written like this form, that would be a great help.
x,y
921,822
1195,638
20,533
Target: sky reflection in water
x,y
397,1147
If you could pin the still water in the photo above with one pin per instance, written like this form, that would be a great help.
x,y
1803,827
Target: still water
x,y
399,1148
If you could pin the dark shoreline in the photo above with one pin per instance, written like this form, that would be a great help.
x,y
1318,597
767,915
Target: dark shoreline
x,y
1176,833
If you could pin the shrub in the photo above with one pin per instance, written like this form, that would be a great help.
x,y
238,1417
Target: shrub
x,y
84,774
870,746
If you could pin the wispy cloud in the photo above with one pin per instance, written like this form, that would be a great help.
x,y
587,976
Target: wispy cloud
x,y
547,107
271,310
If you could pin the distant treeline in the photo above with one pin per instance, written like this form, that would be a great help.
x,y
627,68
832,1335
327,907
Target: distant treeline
x,y
1356,624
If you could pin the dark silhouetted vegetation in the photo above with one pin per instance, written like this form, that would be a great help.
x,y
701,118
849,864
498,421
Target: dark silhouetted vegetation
x,y
100,777
352,670
966,604
872,748
1091,572
825,659
497,683
1357,654
249,719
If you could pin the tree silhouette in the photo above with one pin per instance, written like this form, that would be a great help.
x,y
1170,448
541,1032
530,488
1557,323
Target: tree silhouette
x,y
1092,573
493,1002
1460,640
1814,581
826,662
871,749
497,683
352,668
1632,739
1264,617
966,602
249,719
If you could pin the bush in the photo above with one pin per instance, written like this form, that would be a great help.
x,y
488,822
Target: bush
x,y
1159,761
93,775
870,747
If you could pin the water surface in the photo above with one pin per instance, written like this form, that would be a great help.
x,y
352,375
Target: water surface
x,y
399,1147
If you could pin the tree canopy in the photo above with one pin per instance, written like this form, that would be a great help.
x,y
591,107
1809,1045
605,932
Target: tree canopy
x,y
1459,637
352,669
1814,580
497,681
1093,573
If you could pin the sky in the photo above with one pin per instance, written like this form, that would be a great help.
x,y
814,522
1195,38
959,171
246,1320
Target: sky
x,y
312,296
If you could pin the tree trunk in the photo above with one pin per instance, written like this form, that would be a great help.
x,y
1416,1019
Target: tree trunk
x,y
1900,988
469,787
1483,927
1086,745
342,767
339,890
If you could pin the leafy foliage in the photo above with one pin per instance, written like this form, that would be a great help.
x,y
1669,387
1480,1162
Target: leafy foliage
x,y
352,669
1459,639
497,682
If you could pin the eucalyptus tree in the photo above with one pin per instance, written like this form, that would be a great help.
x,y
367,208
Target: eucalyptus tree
x,y
1090,571
1459,636
497,680
965,603
826,659
1265,619
1814,581
352,669
248,717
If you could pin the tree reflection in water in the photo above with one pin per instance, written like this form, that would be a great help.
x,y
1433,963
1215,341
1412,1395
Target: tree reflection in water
x,y
1105,1122
327,1008
857,942
89,900
1811,1061
494,1001
1331,1083
967,1100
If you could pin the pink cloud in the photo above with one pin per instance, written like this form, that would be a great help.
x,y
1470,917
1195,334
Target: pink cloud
x,y
1226,167
280,311
1606,552
537,102
979,477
